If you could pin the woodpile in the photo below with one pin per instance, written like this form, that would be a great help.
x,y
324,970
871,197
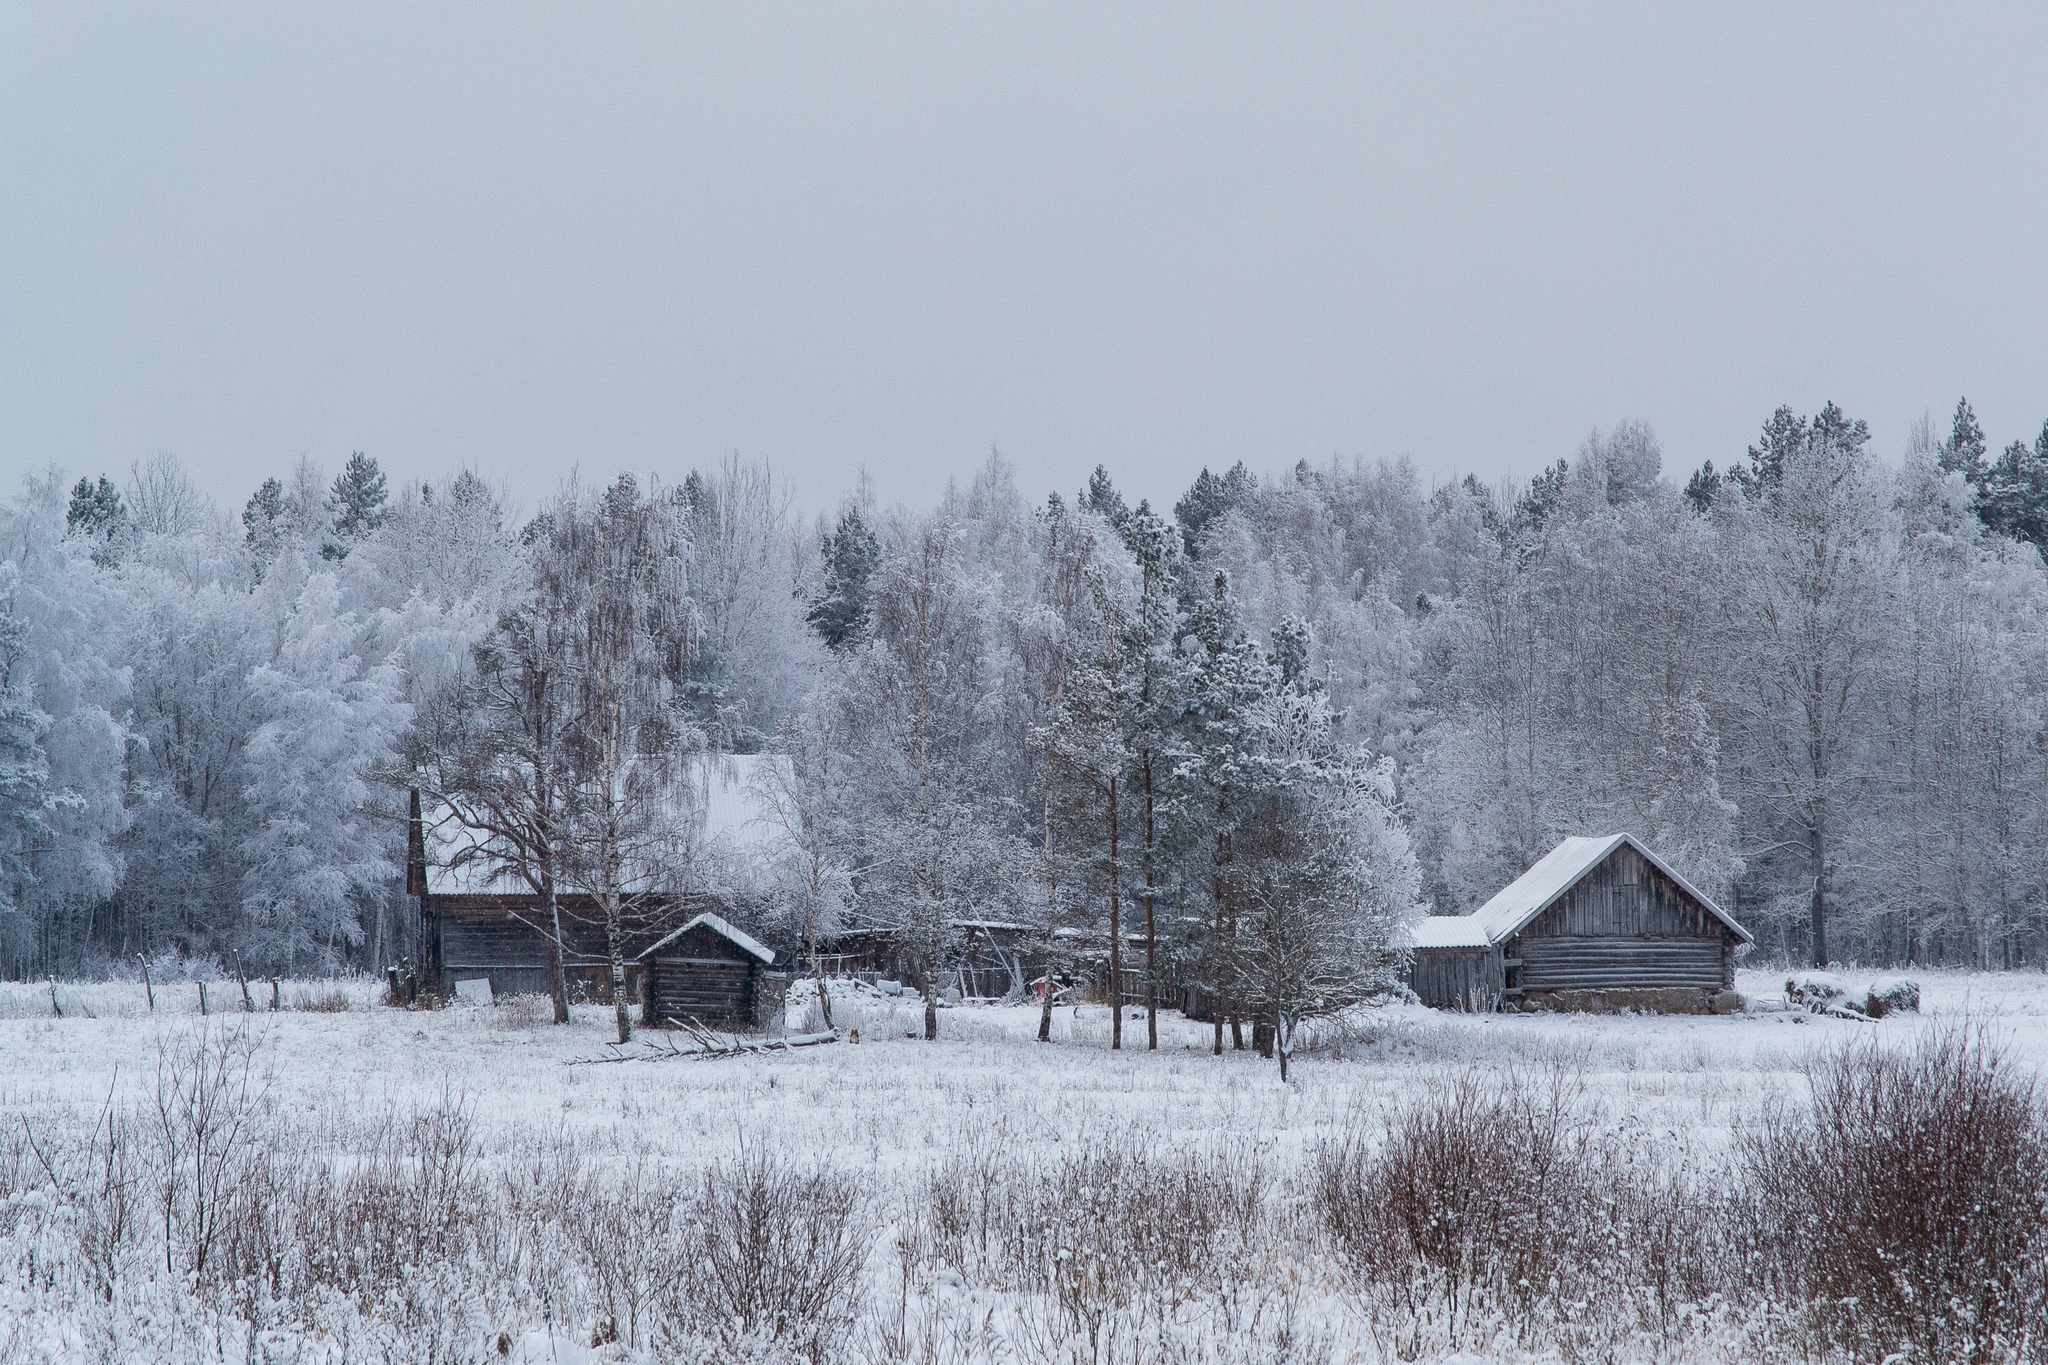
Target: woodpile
x,y
703,1044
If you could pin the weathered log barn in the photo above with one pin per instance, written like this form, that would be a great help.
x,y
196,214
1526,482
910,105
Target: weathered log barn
x,y
1597,923
985,959
478,918
708,972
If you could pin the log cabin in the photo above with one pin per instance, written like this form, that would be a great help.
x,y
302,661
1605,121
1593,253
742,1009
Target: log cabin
x,y
479,918
708,972
1599,923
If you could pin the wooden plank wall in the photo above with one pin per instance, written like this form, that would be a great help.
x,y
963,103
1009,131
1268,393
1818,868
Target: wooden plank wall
x,y
499,937
1626,896
1458,978
480,944
1578,964
1624,926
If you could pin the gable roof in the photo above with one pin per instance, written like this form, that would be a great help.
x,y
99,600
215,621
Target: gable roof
x,y
1536,890
718,926
720,808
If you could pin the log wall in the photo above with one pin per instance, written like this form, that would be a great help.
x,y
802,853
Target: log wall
x,y
706,977
501,938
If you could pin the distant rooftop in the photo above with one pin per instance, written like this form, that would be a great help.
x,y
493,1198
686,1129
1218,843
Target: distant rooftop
x,y
720,812
1530,894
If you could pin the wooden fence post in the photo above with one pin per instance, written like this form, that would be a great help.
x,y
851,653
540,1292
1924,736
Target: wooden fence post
x,y
202,999
248,1005
273,995
59,1009
148,989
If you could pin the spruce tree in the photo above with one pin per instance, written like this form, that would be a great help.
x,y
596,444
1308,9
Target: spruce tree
x,y
96,509
1964,450
839,613
1151,638
1084,742
264,521
1787,435
359,496
2014,501
1221,767
1542,500
1101,498
1702,488
1209,498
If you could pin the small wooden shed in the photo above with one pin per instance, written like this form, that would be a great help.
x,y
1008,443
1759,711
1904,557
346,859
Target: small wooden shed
x,y
1597,923
710,973
478,917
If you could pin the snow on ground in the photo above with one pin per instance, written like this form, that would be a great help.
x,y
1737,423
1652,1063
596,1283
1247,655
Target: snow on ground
x,y
893,1108
893,1099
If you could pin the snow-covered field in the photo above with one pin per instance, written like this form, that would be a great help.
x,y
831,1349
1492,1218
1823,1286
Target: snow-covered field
x,y
898,1116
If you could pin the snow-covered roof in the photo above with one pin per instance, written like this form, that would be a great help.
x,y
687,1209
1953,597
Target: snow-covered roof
x,y
716,925
1530,894
457,859
720,809
1448,931
728,795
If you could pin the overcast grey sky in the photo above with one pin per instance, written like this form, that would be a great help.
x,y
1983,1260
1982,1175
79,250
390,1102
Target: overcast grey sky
x,y
524,237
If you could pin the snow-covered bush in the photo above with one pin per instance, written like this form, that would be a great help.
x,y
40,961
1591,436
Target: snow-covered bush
x,y
1905,1203
1112,1219
780,1247
1504,1202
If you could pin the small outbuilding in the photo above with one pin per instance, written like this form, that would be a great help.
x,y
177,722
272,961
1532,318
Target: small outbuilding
x,y
480,919
1598,923
708,972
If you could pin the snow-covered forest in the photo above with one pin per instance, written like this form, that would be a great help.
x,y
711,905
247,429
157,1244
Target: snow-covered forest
x,y
1815,679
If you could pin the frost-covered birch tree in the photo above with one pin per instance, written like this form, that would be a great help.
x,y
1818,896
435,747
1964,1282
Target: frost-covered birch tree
x,y
936,854
617,563
804,796
1809,559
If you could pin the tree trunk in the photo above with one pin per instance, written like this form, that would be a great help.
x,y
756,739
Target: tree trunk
x,y
1052,916
558,967
931,1004
1116,935
1216,947
614,939
1151,928
1283,1040
1816,855
1229,932
818,975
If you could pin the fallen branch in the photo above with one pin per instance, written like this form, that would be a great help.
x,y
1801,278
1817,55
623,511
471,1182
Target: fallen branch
x,y
703,1045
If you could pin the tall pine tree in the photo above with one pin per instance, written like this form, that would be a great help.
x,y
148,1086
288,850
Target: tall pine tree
x,y
2014,498
359,496
839,613
1963,452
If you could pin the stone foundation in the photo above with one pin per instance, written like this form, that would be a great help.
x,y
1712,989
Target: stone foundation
x,y
1662,1000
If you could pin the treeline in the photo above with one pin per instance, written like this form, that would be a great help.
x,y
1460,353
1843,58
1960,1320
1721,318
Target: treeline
x,y
1264,726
